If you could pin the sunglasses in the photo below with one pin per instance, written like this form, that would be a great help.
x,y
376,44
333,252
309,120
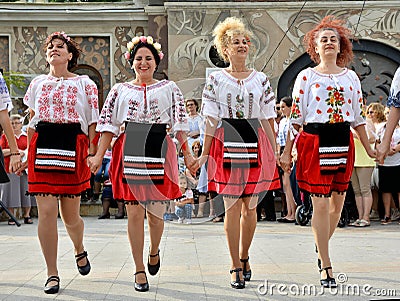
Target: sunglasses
x,y
370,112
278,108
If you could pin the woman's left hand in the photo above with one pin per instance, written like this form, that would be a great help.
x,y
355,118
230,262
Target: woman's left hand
x,y
15,163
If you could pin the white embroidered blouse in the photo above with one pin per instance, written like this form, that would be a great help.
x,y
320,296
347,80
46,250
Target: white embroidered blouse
x,y
323,98
394,95
224,96
161,102
59,100
5,100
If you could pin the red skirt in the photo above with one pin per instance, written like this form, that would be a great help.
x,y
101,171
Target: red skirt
x,y
308,171
59,183
166,191
239,182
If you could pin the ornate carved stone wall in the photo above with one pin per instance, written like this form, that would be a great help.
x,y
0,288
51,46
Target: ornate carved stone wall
x,y
4,54
278,30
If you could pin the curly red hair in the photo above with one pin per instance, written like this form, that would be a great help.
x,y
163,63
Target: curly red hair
x,y
344,35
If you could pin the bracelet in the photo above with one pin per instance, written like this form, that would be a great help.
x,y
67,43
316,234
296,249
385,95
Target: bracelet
x,y
15,154
91,155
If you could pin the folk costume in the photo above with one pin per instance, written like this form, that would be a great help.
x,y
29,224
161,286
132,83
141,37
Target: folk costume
x,y
328,105
58,151
144,164
241,159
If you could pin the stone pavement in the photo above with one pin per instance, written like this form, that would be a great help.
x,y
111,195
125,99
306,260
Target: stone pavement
x,y
195,263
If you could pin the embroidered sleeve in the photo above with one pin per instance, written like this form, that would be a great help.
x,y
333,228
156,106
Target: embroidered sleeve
x,y
108,116
4,95
209,105
91,93
268,100
394,95
357,101
299,105
179,119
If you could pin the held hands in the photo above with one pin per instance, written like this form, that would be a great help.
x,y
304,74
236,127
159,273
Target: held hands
x,y
191,163
382,150
15,164
286,161
94,163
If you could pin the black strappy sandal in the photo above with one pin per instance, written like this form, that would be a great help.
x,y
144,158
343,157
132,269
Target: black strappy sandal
x,y
246,273
54,288
328,281
83,270
237,283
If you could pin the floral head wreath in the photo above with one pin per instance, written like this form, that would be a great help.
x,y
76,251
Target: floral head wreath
x,y
145,40
60,34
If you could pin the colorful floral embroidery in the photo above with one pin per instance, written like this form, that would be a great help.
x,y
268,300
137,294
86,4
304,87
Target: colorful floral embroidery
x,y
335,101
295,113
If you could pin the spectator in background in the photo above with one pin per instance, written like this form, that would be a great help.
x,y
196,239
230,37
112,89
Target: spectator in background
x,y
13,193
286,106
361,176
184,205
195,120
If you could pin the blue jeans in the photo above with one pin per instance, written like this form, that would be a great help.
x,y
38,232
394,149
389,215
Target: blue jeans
x,y
184,212
105,165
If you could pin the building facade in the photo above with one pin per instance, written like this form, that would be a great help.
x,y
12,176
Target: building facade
x,y
184,28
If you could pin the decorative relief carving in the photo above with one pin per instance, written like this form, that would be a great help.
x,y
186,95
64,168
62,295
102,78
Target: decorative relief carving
x,y
187,22
28,51
30,56
4,54
96,53
196,48
123,35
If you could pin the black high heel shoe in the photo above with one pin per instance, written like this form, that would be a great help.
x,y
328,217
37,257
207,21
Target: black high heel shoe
x,y
83,270
54,288
153,268
246,273
328,281
141,287
238,284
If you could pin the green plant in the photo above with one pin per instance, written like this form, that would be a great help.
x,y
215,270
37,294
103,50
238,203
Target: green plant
x,y
13,78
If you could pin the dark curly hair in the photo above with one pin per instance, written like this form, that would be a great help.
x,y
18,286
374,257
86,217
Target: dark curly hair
x,y
343,34
72,47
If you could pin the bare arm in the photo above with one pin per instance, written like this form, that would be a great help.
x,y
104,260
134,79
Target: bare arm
x,y
92,135
286,157
210,128
383,148
95,161
362,134
15,159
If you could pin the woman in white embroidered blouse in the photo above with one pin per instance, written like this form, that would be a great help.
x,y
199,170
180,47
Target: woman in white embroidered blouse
x,y
144,105
327,100
64,112
239,168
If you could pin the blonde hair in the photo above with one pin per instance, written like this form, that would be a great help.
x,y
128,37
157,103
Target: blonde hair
x,y
379,111
224,32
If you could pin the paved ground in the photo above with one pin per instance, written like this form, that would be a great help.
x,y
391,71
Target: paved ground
x,y
195,264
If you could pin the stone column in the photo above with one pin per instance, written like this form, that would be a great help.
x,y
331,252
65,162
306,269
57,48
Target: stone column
x,y
158,29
